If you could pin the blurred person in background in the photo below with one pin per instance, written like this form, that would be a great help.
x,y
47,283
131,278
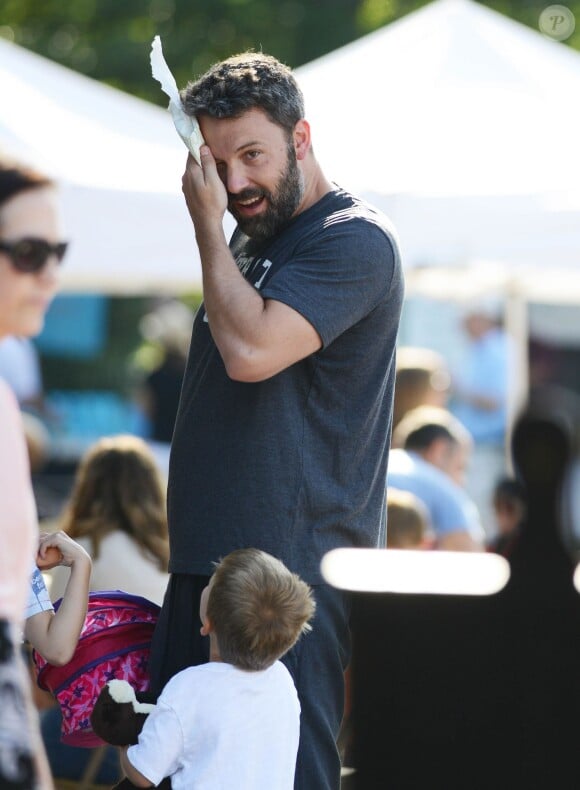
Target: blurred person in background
x,y
408,523
422,378
430,460
117,512
169,328
509,506
480,399
31,248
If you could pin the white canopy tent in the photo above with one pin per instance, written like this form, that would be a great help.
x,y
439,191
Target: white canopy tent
x,y
459,122
119,162
462,125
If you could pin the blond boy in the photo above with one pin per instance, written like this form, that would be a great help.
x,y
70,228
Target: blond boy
x,y
233,722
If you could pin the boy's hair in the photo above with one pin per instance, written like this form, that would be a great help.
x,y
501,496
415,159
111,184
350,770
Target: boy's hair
x,y
258,608
407,520
243,82
420,427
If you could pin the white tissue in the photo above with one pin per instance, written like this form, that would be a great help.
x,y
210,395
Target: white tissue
x,y
187,127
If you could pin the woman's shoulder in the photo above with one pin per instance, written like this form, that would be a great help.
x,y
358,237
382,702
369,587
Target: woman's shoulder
x,y
8,404
13,451
123,564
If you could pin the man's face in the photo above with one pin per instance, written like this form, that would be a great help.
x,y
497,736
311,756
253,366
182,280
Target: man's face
x,y
456,462
257,164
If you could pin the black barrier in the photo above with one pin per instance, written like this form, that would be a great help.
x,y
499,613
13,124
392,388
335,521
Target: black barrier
x,y
479,692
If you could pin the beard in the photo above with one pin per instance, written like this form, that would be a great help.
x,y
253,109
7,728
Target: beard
x,y
281,203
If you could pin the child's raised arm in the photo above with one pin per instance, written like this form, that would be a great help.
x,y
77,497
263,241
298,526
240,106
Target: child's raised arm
x,y
55,634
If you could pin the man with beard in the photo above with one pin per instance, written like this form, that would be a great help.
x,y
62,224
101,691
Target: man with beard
x,y
282,435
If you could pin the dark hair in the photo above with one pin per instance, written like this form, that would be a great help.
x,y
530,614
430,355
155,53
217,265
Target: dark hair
x,y
16,178
243,82
508,490
424,425
424,436
258,608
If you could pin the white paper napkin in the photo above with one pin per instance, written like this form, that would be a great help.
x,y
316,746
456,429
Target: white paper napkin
x,y
187,127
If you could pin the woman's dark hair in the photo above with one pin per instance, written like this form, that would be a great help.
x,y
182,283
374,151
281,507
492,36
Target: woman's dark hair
x,y
16,178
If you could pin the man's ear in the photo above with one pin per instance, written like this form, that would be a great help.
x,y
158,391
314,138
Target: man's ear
x,y
206,627
301,136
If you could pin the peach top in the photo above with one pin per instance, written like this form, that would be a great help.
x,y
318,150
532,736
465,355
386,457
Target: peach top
x,y
18,521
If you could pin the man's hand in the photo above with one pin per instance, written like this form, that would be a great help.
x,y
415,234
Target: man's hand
x,y
205,194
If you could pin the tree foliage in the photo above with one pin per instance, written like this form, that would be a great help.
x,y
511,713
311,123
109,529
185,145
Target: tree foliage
x,y
110,40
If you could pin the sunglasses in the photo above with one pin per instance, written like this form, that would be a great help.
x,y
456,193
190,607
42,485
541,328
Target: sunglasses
x,y
30,255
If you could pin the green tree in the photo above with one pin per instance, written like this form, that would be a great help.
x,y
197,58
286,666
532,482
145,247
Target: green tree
x,y
110,40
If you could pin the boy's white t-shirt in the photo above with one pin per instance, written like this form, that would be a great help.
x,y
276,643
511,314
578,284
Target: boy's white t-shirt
x,y
218,727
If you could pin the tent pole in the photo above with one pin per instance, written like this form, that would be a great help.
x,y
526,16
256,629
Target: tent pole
x,y
517,329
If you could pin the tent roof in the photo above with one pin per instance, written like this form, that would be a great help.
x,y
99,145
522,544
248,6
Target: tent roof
x,y
119,162
453,99
461,124
84,131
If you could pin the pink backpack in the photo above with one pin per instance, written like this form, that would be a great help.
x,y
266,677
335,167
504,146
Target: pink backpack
x,y
114,643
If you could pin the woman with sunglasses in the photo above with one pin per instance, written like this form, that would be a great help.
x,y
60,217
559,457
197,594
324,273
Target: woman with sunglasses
x,y
30,252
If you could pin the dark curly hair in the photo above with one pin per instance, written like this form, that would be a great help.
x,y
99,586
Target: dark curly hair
x,y
243,82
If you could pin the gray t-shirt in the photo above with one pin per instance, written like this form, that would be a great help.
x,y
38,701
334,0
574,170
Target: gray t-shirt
x,y
295,465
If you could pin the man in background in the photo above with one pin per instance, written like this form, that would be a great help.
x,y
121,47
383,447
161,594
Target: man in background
x,y
431,459
479,399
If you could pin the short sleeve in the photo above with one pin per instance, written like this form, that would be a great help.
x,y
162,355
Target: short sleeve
x,y
160,747
38,597
336,277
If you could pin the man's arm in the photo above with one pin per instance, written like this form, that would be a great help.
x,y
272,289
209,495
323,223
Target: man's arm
x,y
132,774
256,337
